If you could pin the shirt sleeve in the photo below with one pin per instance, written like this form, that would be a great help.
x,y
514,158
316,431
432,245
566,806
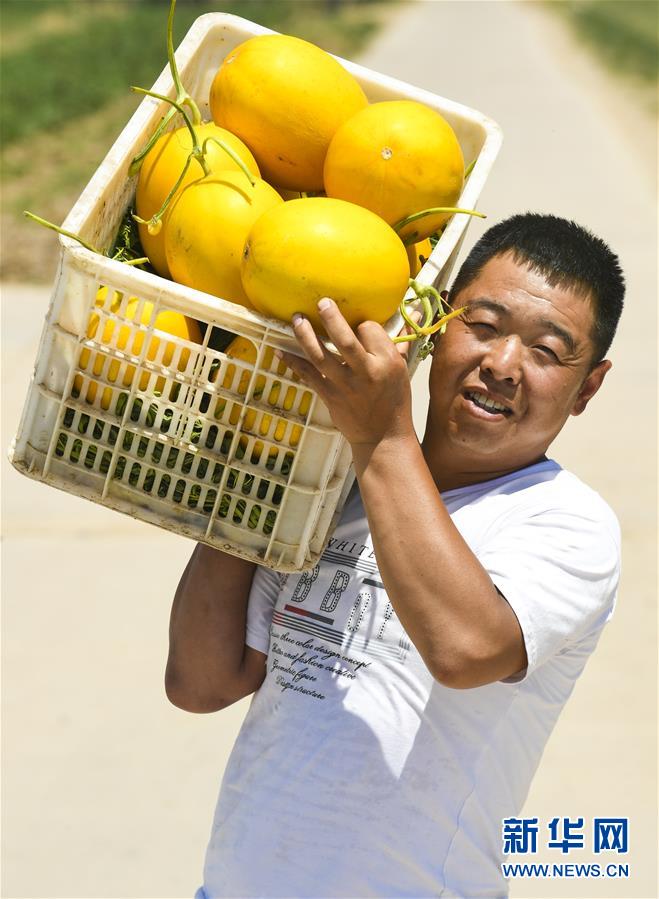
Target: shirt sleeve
x,y
559,572
261,604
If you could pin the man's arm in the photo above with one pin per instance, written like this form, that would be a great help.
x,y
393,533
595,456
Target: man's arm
x,y
209,666
464,630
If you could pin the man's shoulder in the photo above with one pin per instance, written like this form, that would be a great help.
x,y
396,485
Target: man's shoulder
x,y
543,491
567,494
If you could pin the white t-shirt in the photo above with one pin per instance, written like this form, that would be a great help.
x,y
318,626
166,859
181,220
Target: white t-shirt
x,y
355,773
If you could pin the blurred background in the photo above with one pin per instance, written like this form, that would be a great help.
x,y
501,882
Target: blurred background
x,y
108,791
67,64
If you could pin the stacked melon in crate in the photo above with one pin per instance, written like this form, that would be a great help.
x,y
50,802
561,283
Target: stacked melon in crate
x,y
156,392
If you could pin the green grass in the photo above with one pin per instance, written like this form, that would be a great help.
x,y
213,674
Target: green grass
x,y
92,52
624,33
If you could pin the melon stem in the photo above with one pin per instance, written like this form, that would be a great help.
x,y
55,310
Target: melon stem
x,y
232,153
183,98
434,210
197,152
62,231
142,260
154,224
424,294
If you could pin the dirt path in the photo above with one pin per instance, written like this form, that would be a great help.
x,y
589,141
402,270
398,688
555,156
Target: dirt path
x,y
109,791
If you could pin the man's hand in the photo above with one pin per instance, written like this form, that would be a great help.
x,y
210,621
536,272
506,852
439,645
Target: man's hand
x,y
366,388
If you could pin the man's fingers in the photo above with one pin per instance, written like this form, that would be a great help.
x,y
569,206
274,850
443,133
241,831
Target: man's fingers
x,y
309,342
374,338
305,371
340,333
376,341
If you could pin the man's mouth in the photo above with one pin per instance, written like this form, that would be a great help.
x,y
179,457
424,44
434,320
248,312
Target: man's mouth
x,y
487,403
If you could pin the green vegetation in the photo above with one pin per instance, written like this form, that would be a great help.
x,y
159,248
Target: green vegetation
x,y
67,67
64,58
625,33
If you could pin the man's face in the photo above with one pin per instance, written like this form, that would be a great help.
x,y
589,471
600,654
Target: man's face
x,y
507,373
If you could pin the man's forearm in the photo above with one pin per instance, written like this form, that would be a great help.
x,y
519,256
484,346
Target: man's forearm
x,y
207,626
464,630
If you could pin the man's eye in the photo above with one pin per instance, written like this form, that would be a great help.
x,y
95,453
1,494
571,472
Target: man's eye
x,y
483,327
548,352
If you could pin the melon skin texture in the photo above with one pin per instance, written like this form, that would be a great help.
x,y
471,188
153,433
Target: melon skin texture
x,y
396,158
304,250
207,228
418,254
285,98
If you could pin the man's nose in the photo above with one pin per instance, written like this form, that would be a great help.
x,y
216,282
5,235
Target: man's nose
x,y
503,359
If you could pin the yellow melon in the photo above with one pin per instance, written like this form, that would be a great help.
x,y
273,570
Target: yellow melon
x,y
418,254
304,250
396,158
285,98
163,165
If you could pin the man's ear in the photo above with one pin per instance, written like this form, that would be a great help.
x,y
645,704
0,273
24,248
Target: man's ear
x,y
590,386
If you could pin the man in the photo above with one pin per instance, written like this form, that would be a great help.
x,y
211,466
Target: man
x,y
406,687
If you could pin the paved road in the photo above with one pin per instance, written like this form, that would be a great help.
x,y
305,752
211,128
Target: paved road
x,y
109,791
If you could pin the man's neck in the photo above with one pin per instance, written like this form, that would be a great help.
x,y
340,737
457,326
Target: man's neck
x,y
449,473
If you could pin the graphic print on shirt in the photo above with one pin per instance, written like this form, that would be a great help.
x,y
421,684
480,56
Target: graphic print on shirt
x,y
304,585
333,595
332,621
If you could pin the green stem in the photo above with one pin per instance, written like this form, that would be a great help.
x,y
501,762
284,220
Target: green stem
x,y
154,224
470,168
36,218
410,322
405,338
232,153
183,98
420,294
63,231
177,106
136,162
441,322
436,295
425,330
197,152
141,261
434,211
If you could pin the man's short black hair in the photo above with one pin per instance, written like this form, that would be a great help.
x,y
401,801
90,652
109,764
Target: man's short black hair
x,y
566,254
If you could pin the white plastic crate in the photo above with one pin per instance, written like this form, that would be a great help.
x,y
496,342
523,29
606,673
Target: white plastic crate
x,y
234,454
